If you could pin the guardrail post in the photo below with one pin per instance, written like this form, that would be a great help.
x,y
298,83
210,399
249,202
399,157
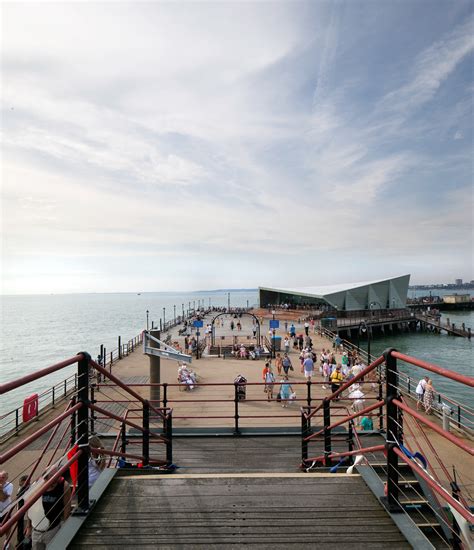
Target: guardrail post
x,y
304,435
120,347
65,387
381,408
83,434
327,431
308,392
165,395
236,409
73,423
169,436
17,419
456,539
409,385
350,440
123,434
92,413
459,416
394,434
52,396
146,433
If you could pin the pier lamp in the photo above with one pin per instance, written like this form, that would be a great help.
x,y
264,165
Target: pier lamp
x,y
183,310
147,313
364,328
174,307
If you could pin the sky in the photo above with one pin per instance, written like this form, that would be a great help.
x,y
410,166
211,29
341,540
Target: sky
x,y
158,146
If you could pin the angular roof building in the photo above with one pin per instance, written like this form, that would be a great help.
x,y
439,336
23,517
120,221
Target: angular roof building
x,y
382,294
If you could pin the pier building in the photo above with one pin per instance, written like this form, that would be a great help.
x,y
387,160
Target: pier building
x,y
379,294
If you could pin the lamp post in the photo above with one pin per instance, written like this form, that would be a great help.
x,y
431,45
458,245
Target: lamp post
x,y
273,336
174,307
364,327
183,310
147,313
228,301
164,318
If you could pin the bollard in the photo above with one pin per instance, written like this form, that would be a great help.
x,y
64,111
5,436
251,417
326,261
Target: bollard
x,y
446,414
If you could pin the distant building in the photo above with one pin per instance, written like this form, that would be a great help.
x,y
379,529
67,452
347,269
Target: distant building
x,y
458,282
457,298
382,294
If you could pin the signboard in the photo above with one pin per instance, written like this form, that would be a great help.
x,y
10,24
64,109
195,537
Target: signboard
x,y
30,407
198,324
274,323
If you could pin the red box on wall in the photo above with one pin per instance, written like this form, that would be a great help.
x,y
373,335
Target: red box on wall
x,y
30,407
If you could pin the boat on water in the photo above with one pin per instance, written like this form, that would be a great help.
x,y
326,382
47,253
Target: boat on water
x,y
236,460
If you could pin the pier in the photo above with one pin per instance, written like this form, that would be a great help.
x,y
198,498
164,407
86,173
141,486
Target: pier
x,y
241,461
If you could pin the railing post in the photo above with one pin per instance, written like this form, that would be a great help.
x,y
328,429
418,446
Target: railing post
x,y
459,416
123,443
394,433
304,435
456,539
120,347
146,433
169,436
350,440
380,397
83,434
236,409
409,385
65,387
92,413
73,423
17,419
52,397
308,392
165,395
327,431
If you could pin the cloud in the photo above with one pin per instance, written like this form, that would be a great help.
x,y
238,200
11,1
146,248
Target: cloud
x,y
138,136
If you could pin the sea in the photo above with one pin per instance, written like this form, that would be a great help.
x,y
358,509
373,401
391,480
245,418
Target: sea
x,y
40,330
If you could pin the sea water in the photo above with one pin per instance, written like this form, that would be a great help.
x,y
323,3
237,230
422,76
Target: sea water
x,y
38,331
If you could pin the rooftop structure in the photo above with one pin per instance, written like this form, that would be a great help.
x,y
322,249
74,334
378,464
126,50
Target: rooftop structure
x,y
379,294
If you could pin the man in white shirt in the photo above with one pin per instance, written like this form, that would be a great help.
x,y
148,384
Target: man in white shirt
x,y
420,392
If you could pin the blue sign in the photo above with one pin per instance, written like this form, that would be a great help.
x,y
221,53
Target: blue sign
x,y
198,324
274,323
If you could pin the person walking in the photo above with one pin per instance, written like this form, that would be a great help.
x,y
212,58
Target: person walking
x,y
286,344
420,392
6,491
286,364
285,392
428,396
279,363
269,379
308,367
336,380
306,328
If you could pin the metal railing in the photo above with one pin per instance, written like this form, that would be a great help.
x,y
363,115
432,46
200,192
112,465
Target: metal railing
x,y
79,423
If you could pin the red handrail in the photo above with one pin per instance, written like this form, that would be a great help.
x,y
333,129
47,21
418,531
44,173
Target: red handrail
x,y
22,444
467,380
347,418
8,386
437,488
434,427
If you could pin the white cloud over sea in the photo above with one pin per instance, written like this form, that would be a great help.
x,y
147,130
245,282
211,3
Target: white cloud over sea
x,y
183,145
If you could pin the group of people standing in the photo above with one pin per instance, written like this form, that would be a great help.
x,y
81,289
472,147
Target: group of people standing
x,y
285,394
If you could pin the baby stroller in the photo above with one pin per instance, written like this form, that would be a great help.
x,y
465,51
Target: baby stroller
x,y
241,388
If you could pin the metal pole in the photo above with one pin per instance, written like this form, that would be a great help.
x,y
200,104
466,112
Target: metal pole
x,y
146,433
228,301
327,431
183,311
174,320
394,432
147,313
304,435
164,318
368,343
119,347
169,436
236,409
83,434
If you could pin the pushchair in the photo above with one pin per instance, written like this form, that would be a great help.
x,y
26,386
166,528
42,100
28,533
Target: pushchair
x,y
241,388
